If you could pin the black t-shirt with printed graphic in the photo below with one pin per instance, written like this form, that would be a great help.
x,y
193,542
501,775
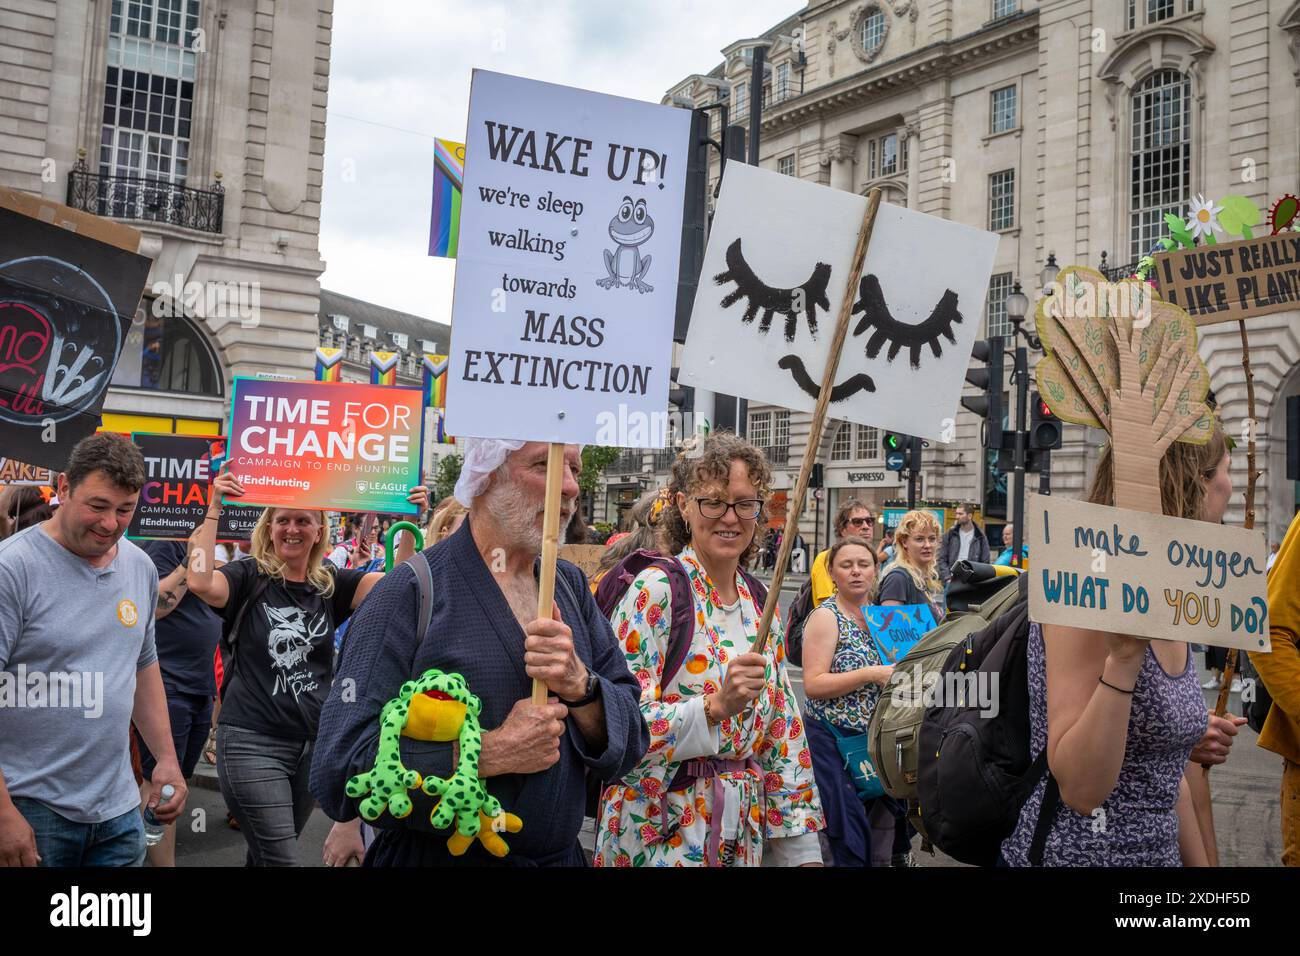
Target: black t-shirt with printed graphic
x,y
283,659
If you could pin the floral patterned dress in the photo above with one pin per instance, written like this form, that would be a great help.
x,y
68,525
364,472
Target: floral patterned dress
x,y
763,788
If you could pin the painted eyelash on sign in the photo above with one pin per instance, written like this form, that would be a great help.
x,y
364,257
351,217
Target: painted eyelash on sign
x,y
805,297
876,314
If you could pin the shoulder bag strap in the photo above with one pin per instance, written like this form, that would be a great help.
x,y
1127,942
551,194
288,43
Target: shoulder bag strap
x,y
1047,812
424,578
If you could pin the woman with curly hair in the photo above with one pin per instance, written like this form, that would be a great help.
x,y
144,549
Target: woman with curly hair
x,y
727,779
913,576
279,612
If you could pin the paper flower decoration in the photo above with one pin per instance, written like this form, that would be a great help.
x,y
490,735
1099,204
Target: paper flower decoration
x,y
1203,223
1237,214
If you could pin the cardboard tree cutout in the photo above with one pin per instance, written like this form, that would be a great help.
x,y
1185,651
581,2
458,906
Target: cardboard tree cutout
x,y
1121,359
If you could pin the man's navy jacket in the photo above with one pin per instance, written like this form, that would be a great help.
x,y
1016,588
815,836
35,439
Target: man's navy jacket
x,y
473,633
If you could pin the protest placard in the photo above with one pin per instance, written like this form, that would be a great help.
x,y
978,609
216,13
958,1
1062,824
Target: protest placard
x,y
897,629
178,484
1232,280
585,556
336,446
780,248
1146,575
567,261
66,302
20,473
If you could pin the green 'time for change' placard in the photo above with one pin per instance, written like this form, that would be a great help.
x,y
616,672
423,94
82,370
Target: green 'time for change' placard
x,y
1146,575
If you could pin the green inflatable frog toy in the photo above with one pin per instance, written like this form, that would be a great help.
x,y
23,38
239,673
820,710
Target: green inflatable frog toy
x,y
435,706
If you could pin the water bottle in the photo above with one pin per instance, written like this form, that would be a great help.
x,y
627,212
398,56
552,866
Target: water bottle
x,y
153,830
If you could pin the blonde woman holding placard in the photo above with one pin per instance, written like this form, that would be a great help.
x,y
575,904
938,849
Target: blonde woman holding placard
x,y
913,576
1121,717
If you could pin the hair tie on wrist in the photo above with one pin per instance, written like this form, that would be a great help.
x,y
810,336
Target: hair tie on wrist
x,y
1113,687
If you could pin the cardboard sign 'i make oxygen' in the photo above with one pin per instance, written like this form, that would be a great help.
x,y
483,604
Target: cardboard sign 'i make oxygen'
x,y
1120,359
774,278
569,243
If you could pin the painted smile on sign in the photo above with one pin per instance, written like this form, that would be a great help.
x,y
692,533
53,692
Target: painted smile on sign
x,y
899,335
805,297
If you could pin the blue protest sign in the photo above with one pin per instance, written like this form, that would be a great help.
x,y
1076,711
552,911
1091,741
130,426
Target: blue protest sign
x,y
897,629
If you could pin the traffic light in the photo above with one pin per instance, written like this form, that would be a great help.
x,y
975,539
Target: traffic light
x,y
990,378
892,441
818,477
1044,428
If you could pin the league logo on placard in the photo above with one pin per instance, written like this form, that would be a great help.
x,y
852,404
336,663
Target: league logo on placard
x,y
361,487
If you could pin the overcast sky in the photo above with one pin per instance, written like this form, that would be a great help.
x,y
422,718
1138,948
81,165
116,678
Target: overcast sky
x,y
399,75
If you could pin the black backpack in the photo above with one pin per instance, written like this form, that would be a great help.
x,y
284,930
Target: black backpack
x,y
1256,709
799,611
972,790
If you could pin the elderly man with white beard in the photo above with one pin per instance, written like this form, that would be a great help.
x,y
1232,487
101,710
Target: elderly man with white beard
x,y
484,627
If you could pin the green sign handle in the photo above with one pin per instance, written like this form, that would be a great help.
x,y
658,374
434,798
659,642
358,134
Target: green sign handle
x,y
392,536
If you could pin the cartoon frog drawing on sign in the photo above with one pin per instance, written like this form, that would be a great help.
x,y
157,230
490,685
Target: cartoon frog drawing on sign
x,y
630,229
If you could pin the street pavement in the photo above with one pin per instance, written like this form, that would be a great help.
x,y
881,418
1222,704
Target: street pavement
x,y
1244,790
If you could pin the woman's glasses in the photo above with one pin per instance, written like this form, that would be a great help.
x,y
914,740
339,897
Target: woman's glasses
x,y
746,510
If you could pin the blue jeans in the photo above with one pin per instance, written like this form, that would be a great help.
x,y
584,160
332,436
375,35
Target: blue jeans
x,y
264,780
191,719
64,842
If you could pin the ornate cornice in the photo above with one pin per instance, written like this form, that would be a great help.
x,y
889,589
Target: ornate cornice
x,y
1153,48
943,58
843,146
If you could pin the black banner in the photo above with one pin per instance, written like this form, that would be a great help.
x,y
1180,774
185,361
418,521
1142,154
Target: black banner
x,y
66,302
174,498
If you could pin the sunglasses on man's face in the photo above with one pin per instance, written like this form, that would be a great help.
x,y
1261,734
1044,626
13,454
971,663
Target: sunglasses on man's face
x,y
860,522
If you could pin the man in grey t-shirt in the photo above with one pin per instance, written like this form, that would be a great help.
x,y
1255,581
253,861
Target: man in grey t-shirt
x,y
77,666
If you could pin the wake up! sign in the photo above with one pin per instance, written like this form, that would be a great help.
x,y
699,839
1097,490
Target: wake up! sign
x,y
1146,575
340,447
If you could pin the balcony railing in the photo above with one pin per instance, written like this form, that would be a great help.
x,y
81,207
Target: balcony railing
x,y
664,458
147,200
628,463
1115,273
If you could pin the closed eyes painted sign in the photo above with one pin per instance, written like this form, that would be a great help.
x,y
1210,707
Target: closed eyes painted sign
x,y
773,279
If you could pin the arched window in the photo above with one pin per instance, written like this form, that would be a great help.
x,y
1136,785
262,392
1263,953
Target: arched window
x,y
167,353
1161,156
873,31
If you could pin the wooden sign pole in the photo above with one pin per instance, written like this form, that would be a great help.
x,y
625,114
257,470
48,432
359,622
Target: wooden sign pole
x,y
795,504
550,546
1205,814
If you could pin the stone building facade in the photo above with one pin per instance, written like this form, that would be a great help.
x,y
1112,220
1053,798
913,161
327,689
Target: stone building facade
x,y
1066,126
202,124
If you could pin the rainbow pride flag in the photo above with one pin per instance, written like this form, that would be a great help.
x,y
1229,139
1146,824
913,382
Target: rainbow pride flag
x,y
383,367
440,428
435,381
329,365
448,176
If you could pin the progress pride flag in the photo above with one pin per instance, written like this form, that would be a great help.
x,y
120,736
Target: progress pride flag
x,y
340,447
